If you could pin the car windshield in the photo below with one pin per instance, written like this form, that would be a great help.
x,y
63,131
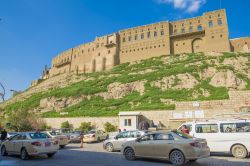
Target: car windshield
x,y
182,135
91,132
38,135
55,133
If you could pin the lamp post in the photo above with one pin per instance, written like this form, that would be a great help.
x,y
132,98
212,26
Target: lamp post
x,y
2,91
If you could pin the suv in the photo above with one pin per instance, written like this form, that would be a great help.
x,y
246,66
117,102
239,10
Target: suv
x,y
116,142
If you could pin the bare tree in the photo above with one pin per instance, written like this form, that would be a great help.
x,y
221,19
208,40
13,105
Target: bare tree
x,y
2,91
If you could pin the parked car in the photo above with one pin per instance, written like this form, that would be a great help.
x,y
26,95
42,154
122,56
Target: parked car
x,y
75,137
30,144
231,136
63,140
115,143
95,136
175,146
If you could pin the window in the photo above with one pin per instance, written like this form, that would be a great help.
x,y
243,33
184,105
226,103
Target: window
x,y
136,134
123,39
136,37
184,44
108,51
212,37
220,22
125,134
155,34
182,24
129,38
148,137
190,29
127,122
99,54
164,137
210,23
38,135
148,34
235,127
206,128
142,36
162,33
199,28
221,35
182,30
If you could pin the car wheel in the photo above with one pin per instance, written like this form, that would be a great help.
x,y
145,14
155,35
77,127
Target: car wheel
x,y
239,151
109,147
24,155
50,155
62,146
177,158
4,151
129,154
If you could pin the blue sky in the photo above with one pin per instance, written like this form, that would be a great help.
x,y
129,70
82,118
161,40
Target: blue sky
x,y
32,32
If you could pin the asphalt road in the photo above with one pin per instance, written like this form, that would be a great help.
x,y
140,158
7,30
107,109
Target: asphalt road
x,y
94,155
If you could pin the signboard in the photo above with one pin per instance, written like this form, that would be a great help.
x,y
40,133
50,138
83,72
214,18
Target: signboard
x,y
199,114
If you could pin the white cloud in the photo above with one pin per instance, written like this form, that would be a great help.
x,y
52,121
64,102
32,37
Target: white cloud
x,y
189,6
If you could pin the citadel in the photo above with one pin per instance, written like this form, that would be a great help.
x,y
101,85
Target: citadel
x,y
206,33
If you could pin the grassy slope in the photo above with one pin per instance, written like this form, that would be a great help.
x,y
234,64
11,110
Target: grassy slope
x,y
97,106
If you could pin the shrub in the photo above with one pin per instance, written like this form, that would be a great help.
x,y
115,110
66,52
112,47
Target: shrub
x,y
109,127
66,125
23,120
85,127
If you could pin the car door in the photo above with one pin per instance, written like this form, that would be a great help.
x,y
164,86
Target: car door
x,y
19,143
120,139
144,146
10,145
163,144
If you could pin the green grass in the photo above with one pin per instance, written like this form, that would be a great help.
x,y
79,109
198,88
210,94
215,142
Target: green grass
x,y
150,100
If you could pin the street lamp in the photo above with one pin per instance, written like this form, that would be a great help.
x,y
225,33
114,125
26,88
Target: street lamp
x,y
2,91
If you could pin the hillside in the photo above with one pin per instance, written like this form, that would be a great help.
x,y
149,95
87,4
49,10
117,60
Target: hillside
x,y
152,84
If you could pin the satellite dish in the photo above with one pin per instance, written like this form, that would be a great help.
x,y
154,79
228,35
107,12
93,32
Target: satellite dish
x,y
2,92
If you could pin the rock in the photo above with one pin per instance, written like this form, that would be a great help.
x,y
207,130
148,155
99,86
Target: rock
x,y
181,81
227,79
118,90
208,73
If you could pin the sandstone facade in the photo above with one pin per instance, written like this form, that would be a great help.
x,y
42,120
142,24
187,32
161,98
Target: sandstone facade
x,y
206,33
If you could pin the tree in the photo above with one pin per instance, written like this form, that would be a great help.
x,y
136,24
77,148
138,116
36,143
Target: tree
x,y
24,120
109,127
66,125
85,127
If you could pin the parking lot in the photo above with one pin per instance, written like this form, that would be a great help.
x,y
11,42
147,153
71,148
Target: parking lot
x,y
94,155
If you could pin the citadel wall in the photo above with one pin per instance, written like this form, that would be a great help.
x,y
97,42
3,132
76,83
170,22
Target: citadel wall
x,y
206,33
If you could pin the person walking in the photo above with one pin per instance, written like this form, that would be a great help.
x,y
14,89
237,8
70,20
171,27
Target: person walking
x,y
81,139
3,135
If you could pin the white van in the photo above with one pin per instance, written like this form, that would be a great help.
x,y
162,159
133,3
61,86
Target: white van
x,y
223,136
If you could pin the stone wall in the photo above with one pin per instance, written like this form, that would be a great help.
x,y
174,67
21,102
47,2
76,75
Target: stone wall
x,y
76,122
185,111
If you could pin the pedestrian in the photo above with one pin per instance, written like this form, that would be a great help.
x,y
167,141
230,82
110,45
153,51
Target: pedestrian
x,y
3,135
119,130
124,130
81,139
185,129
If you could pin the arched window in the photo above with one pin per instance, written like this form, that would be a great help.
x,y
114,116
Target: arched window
x,y
210,23
219,22
199,28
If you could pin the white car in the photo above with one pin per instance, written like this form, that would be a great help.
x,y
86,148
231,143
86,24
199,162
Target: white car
x,y
223,136
30,144
63,140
